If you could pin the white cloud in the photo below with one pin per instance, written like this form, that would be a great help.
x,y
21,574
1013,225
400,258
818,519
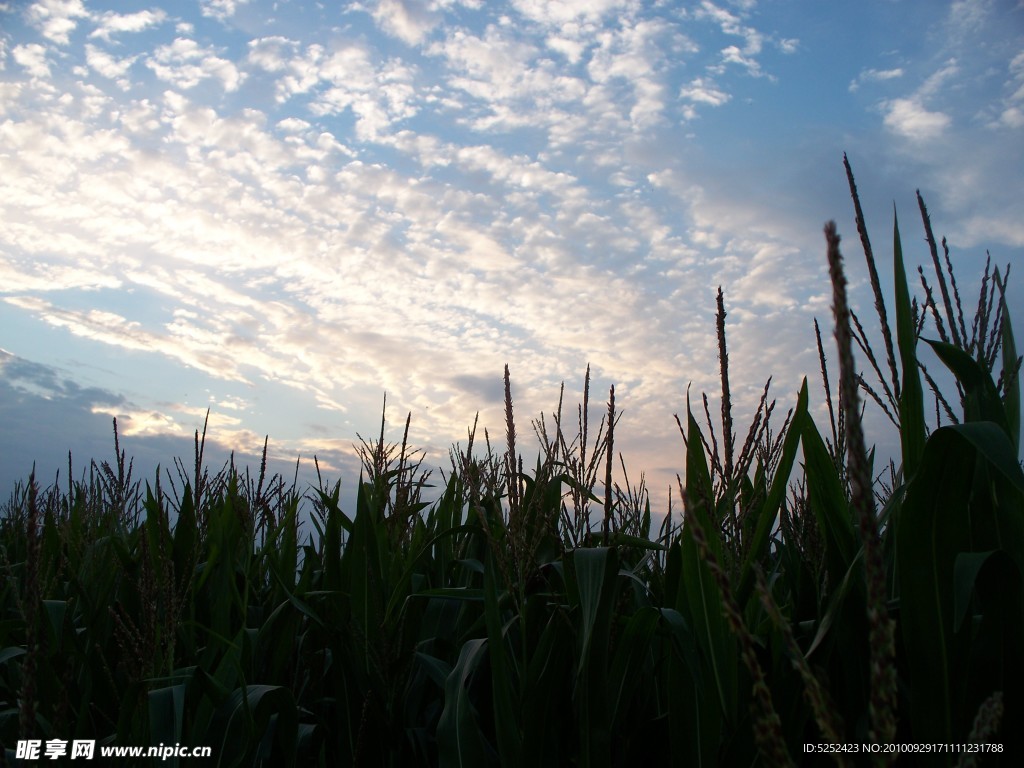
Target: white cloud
x,y
704,92
32,57
111,23
910,117
185,64
966,16
559,14
221,9
934,83
571,49
731,24
379,95
496,59
105,64
1017,65
271,53
345,261
1011,111
875,75
735,23
768,280
56,18
733,55
788,45
293,125
297,72
633,56
408,20
509,83
1012,117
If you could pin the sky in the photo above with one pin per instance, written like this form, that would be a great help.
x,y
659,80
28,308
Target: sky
x,y
281,211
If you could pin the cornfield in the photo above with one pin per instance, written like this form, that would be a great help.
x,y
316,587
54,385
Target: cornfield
x,y
539,615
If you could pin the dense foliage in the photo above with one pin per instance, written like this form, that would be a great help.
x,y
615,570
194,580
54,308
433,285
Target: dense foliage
x,y
531,616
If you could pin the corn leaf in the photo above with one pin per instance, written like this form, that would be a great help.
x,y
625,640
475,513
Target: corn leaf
x,y
911,404
933,528
1011,398
459,739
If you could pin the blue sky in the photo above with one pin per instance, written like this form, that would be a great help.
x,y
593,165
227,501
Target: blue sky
x,y
282,210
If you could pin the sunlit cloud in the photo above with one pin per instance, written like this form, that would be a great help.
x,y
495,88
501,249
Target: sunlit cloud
x,y
408,20
111,24
185,64
573,11
788,45
703,91
875,75
221,9
32,58
107,65
911,119
56,19
1011,111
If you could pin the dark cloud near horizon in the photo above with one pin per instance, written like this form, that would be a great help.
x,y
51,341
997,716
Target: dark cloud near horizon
x,y
48,415
52,415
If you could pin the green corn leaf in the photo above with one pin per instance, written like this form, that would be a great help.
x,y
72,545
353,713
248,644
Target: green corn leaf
x,y
837,602
285,545
911,404
460,743
184,544
504,678
215,686
275,640
695,724
11,652
767,514
436,670
828,501
620,539
997,511
591,588
965,574
932,529
700,603
261,716
633,650
420,553
335,521
309,737
167,716
699,492
704,603
547,701
992,442
1011,398
363,572
56,612
981,401
990,586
